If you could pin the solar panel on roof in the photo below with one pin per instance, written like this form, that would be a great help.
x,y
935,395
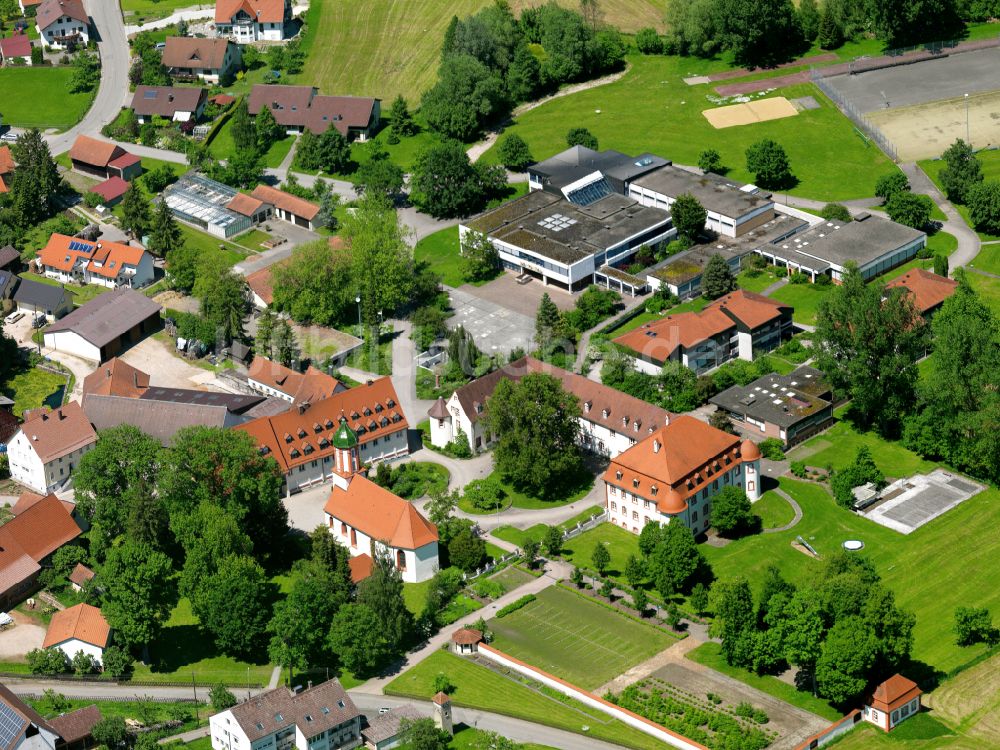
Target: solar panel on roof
x,y
11,724
79,246
149,95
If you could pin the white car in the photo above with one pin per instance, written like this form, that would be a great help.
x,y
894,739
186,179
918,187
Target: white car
x,y
13,318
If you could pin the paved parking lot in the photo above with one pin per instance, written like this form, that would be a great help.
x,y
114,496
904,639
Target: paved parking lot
x,y
495,328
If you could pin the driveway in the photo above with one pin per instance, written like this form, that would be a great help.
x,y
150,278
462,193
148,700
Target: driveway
x,y
165,369
113,92
17,641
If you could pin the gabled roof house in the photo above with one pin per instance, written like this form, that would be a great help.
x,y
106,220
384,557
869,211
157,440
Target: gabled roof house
x,y
82,627
103,159
108,264
191,58
299,108
247,21
62,23
49,445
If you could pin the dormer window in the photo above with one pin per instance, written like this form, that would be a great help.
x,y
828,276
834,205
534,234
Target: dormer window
x,y
624,421
302,432
636,424
586,406
279,717
288,438
317,427
396,418
378,408
606,413
384,421
372,425
354,415
654,489
294,453
264,450
618,475
328,424
367,412
325,710
635,482
323,442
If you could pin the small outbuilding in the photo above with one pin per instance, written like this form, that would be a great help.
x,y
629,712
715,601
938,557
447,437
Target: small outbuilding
x,y
892,702
466,640
80,577
79,628
384,731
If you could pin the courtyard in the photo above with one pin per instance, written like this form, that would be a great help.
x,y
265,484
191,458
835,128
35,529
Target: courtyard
x,y
496,328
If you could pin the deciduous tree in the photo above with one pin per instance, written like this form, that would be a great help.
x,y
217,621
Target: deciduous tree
x,y
233,605
910,209
688,216
768,162
480,258
962,170
139,592
731,513
581,137
514,152
356,639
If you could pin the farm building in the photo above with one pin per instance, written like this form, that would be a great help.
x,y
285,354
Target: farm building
x,y
892,702
103,159
105,326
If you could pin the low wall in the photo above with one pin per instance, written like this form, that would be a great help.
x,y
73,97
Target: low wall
x,y
834,730
798,213
624,715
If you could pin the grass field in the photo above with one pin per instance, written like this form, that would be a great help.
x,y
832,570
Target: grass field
x,y
805,298
773,510
694,305
222,147
619,542
837,447
34,388
990,161
988,288
480,687
383,49
579,640
511,577
38,97
830,160
132,10
537,532
208,245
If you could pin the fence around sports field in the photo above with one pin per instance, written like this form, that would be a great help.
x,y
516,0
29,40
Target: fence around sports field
x,y
866,127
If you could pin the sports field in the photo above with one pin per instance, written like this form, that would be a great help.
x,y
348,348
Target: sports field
x,y
382,48
748,113
576,639
652,109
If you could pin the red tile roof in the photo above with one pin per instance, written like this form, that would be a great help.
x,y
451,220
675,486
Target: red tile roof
x,y
894,692
111,189
29,499
222,99
191,52
17,45
116,378
81,574
81,622
303,433
467,636
262,284
6,160
40,530
94,152
124,160
107,259
302,387
261,11
361,567
677,459
286,201
76,725
380,515
749,308
50,11
928,289
54,433
244,204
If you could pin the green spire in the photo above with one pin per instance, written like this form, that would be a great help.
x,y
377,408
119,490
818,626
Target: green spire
x,y
345,437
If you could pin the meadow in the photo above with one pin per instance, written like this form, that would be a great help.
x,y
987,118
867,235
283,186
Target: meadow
x,y
39,97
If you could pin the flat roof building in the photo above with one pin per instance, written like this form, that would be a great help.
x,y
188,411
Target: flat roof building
x,y
578,166
568,245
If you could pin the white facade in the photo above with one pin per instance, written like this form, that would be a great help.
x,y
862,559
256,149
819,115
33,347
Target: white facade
x,y
728,226
243,30
322,470
228,735
73,645
632,512
415,566
130,275
55,34
27,468
72,343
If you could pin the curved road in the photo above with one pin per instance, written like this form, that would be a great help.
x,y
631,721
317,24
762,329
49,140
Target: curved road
x,y
113,92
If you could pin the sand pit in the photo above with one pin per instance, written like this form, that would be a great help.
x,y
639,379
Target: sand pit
x,y
772,108
923,131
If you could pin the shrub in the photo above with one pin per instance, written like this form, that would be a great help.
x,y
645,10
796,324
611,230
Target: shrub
x,y
744,709
798,278
524,601
772,449
83,663
974,625
117,662
836,211
47,661
760,717
799,469
221,698
823,280
780,272
488,589
443,685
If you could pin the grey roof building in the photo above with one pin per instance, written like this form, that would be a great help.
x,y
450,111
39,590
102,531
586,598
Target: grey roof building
x,y
789,407
559,174
237,403
8,283
9,256
35,297
159,419
106,325
383,731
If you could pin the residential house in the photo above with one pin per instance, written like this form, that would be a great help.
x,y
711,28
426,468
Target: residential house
x,y
24,727
274,379
15,50
28,500
105,326
112,190
672,475
610,421
789,408
892,702
300,438
80,576
62,23
288,207
35,298
6,173
369,519
321,717
28,6
9,423
48,445
27,542
107,264
247,21
738,325
210,60
571,245
82,627
10,258
261,287
927,290
204,203
103,159
300,108
384,731
176,103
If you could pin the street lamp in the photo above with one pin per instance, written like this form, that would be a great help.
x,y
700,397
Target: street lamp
x,y
967,138
358,300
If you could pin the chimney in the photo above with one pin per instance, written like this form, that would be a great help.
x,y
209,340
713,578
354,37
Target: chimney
x,y
303,407
656,445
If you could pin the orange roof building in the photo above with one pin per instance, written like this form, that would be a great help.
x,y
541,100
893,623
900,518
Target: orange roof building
x,y
116,378
79,628
737,325
928,290
369,519
892,701
6,168
261,286
673,474
302,439
103,159
274,379
288,207
48,445
252,20
109,264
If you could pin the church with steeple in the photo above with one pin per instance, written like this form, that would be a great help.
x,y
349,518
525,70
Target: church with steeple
x,y
367,518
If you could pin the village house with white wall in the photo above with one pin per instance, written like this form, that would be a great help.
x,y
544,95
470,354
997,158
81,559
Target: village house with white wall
x,y
49,445
81,627
108,264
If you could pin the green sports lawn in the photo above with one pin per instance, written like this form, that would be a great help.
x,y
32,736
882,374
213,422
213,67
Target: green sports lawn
x,y
563,633
652,109
38,97
477,686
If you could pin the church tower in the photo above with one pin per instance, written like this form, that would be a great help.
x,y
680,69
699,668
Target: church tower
x,y
346,459
442,713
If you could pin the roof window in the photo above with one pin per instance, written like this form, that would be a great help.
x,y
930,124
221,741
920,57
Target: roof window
x,y
618,475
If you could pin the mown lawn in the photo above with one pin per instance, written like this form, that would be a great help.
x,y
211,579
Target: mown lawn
x,y
222,147
480,687
619,542
251,240
920,732
827,156
988,259
837,447
38,97
576,639
773,510
207,245
693,305
82,293
805,298
756,282
537,532
560,496
988,288
990,161
33,388
150,10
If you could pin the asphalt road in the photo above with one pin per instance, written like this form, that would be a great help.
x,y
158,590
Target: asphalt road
x,y
113,46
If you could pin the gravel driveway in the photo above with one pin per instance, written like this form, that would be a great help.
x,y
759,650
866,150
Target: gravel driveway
x,y
20,639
